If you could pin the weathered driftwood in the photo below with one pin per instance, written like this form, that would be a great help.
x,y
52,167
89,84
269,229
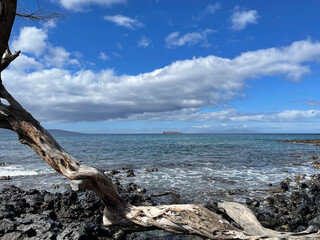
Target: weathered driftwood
x,y
250,224
187,219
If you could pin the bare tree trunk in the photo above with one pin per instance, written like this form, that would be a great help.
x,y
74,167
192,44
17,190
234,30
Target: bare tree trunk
x,y
187,219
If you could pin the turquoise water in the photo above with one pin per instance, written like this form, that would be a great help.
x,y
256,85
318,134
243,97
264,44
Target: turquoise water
x,y
199,167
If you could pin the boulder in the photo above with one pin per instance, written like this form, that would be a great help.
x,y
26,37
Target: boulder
x,y
5,178
152,170
130,173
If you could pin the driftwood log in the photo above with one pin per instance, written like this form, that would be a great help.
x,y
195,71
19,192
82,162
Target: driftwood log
x,y
187,219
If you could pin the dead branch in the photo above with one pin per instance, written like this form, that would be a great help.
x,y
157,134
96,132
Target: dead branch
x,y
40,15
8,58
7,12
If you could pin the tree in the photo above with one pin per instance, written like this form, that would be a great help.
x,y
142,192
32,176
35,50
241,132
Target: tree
x,y
188,219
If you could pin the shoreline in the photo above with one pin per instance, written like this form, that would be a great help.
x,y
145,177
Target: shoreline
x,y
290,206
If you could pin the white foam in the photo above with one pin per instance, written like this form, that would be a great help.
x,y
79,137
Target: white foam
x,y
17,170
206,178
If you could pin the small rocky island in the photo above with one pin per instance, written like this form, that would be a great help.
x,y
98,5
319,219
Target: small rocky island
x,y
172,132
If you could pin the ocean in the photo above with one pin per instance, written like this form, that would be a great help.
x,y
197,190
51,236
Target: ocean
x,y
199,167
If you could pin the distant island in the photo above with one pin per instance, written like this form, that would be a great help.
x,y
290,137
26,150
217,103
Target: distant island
x,y
172,132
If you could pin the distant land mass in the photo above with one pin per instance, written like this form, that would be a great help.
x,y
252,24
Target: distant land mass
x,y
172,132
53,132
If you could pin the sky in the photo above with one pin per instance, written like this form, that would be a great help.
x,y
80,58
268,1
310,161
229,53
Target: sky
x,y
148,66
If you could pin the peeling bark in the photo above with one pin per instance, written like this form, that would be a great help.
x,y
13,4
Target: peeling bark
x,y
187,219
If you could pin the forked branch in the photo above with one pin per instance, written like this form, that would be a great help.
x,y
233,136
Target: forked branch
x,y
8,58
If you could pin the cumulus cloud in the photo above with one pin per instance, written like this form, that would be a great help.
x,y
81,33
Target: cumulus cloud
x,y
241,18
78,5
178,90
25,64
144,42
31,40
34,42
59,57
175,40
124,21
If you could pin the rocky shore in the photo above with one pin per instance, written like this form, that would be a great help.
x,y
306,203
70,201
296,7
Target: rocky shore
x,y
293,205
33,214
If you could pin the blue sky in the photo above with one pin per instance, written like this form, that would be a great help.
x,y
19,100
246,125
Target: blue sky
x,y
147,66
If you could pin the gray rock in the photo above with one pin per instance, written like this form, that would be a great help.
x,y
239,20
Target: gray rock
x,y
7,225
13,236
5,178
152,170
74,232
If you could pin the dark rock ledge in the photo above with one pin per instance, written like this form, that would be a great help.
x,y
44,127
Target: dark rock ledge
x,y
315,142
33,214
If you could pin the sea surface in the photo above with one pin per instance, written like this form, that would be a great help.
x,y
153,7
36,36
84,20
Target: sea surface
x,y
199,167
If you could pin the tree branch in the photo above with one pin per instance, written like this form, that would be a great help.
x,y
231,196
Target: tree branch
x,y
8,58
7,16
40,15
5,125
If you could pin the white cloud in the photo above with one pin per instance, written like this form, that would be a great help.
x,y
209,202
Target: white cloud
x,y
210,9
50,24
203,126
24,64
175,92
222,128
31,40
228,115
144,42
241,18
124,21
103,56
286,115
290,115
312,103
175,40
118,45
116,54
78,5
59,57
